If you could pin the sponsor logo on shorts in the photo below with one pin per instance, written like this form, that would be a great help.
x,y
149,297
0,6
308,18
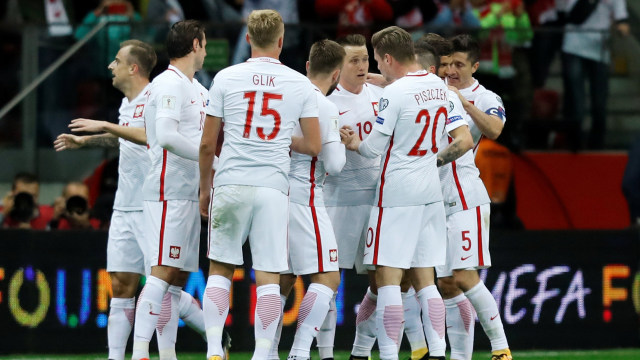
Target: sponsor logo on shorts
x,y
465,257
174,252
452,204
333,255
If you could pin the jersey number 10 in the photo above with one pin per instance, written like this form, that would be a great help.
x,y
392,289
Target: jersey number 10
x,y
266,110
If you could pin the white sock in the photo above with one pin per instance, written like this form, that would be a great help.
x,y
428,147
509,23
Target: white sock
x,y
267,316
119,325
167,326
273,354
389,319
366,332
147,314
433,314
327,332
215,308
313,310
488,314
190,312
461,321
413,324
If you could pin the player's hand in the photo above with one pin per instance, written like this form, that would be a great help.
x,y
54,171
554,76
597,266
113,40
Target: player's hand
x,y
462,98
349,138
205,198
87,125
376,79
68,142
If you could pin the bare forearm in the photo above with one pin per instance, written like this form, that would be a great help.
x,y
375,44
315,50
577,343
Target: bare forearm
x,y
490,126
134,134
102,140
451,153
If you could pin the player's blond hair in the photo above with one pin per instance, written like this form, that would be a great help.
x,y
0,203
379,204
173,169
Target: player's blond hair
x,y
395,42
264,28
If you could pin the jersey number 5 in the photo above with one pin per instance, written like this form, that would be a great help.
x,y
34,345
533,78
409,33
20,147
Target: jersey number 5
x,y
266,110
424,113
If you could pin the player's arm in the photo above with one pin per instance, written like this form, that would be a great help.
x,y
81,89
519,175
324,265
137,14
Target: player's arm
x,y
207,152
170,139
490,125
71,142
372,147
334,157
310,142
134,134
462,142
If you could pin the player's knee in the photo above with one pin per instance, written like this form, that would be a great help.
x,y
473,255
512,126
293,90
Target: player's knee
x,y
466,279
124,285
448,287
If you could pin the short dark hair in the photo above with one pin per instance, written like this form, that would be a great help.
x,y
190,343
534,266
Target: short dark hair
x,y
426,55
180,38
466,44
325,56
141,54
352,40
441,45
24,177
396,42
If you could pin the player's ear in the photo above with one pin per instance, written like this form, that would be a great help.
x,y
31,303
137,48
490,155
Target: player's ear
x,y
475,67
246,37
306,66
432,69
134,68
335,75
280,41
196,44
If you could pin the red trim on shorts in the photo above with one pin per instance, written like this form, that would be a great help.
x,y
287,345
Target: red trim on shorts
x,y
162,223
163,173
382,174
457,180
480,255
316,227
379,224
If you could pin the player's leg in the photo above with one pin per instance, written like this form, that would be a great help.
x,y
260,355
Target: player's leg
x,y
412,320
228,228
287,280
325,338
460,319
389,311
167,326
121,312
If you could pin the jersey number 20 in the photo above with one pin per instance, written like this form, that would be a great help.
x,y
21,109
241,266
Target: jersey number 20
x,y
266,110
424,113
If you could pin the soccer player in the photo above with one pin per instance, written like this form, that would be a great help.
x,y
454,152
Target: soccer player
x,y
312,245
260,101
468,211
126,250
406,226
174,116
349,197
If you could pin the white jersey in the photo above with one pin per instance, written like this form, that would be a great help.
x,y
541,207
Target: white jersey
x,y
462,188
173,95
356,183
485,100
134,163
260,101
413,112
307,174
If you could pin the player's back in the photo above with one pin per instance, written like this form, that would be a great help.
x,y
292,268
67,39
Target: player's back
x,y
133,163
174,96
260,102
413,111
356,183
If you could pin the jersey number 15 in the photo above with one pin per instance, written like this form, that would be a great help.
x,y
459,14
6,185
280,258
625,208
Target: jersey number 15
x,y
266,110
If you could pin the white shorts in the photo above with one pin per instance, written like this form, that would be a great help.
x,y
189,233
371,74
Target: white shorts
x,y
172,228
467,240
406,236
312,244
261,213
350,224
126,246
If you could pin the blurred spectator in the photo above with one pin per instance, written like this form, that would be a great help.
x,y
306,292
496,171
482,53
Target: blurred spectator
x,y
169,11
20,206
631,183
453,14
355,16
223,11
548,16
71,209
586,56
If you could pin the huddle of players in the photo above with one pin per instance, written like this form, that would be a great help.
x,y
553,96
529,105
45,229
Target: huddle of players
x,y
396,140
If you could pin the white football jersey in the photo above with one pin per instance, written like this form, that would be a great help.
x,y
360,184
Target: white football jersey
x,y
134,162
260,101
356,183
462,188
485,100
413,112
307,174
172,95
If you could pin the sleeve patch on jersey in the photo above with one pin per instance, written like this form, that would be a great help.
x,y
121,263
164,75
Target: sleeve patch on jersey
x,y
380,120
383,104
453,119
451,106
499,100
499,112
168,102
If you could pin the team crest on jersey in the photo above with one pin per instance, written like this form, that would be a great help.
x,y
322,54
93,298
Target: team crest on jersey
x,y
383,104
168,102
138,112
375,108
333,255
174,252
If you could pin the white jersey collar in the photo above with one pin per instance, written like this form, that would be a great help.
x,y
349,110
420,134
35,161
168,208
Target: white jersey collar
x,y
264,59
